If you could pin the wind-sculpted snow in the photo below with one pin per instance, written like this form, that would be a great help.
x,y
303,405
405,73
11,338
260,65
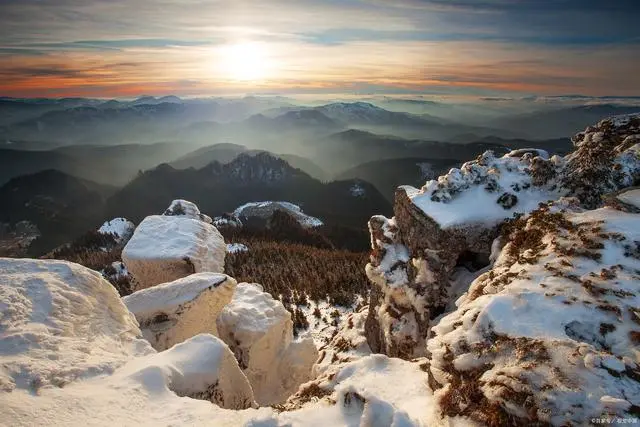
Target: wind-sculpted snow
x,y
259,330
60,322
170,313
165,248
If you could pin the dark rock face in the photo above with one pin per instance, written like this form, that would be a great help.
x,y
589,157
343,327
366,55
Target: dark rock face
x,y
422,292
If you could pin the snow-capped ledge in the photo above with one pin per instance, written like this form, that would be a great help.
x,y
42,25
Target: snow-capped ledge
x,y
173,312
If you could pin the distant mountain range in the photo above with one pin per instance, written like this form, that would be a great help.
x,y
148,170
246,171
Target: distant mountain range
x,y
64,207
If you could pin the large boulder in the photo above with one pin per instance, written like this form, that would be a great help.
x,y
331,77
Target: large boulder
x,y
60,322
551,334
259,330
172,312
454,220
165,248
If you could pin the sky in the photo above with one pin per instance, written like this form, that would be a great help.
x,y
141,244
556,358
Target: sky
x,y
127,48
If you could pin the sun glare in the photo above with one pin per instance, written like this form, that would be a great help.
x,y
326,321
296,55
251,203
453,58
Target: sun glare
x,y
245,62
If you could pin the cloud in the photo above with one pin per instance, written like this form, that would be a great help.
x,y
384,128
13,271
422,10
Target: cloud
x,y
531,46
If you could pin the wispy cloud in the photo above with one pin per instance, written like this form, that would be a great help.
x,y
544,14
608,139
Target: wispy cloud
x,y
493,46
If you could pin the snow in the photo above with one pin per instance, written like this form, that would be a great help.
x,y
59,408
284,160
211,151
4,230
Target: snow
x,y
186,208
201,367
266,209
120,271
166,248
572,315
227,221
234,248
631,197
84,338
368,392
259,330
145,391
172,312
120,228
60,322
460,197
534,151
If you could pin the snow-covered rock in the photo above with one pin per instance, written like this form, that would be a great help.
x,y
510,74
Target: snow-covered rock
x,y
173,312
228,221
202,368
165,248
71,355
60,322
259,330
264,210
186,208
551,333
458,216
120,228
234,248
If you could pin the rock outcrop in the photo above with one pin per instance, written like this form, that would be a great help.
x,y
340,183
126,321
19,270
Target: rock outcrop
x,y
456,218
164,248
259,330
550,334
173,312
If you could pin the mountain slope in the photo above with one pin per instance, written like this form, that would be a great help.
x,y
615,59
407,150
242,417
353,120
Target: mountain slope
x,y
219,188
386,175
60,205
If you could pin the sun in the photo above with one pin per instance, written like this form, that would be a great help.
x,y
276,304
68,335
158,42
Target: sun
x,y
245,62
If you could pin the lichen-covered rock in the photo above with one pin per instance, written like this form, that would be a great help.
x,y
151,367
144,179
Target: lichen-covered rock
x,y
173,312
550,334
166,248
259,330
458,216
